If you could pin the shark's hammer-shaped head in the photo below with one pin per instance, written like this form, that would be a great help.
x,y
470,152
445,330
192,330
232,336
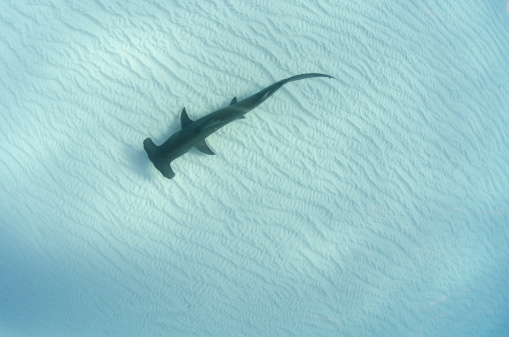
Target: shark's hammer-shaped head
x,y
160,162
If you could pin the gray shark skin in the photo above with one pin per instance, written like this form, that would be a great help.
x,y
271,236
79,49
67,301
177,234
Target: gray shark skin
x,y
193,133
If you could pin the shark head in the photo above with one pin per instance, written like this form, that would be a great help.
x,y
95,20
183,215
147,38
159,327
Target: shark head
x,y
161,163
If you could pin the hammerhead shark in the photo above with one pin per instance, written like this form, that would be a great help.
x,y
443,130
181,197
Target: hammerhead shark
x,y
193,133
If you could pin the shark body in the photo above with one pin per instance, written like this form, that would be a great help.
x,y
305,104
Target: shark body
x,y
193,133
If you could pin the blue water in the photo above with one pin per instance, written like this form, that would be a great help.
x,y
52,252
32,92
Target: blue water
x,y
375,204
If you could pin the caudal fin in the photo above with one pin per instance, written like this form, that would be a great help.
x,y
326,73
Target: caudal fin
x,y
303,76
261,96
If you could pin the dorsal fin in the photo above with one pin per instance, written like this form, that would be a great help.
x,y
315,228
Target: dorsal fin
x,y
234,100
203,147
184,119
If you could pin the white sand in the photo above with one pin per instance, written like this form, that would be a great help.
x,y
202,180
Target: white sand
x,y
375,204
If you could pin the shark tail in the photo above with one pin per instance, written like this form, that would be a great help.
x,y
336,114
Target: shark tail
x,y
303,76
270,90
160,163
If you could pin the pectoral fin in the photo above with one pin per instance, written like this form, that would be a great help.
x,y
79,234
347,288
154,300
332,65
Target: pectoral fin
x,y
203,147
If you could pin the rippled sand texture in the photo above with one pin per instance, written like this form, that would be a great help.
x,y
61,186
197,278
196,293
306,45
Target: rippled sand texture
x,y
375,204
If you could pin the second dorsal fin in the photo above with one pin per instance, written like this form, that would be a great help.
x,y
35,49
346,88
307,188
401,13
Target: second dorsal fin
x,y
234,100
184,119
